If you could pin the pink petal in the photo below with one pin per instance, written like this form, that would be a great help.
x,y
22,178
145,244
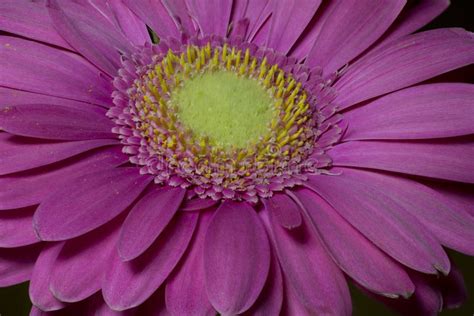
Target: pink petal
x,y
56,122
364,263
73,276
19,153
90,34
185,289
452,227
132,27
427,111
52,72
212,16
33,186
129,284
29,19
88,202
147,219
414,18
197,204
448,160
318,283
289,19
39,292
351,27
236,258
17,228
16,264
404,62
271,299
383,221
148,11
285,211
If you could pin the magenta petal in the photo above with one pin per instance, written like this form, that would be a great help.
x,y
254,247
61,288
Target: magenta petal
x,y
285,211
270,300
236,258
17,228
427,111
32,186
288,22
178,11
147,219
414,18
52,72
88,202
129,284
197,204
148,11
453,227
40,294
56,122
212,16
185,289
318,283
364,263
383,221
85,29
448,160
404,62
29,19
81,265
453,289
12,97
132,27
351,27
19,154
16,264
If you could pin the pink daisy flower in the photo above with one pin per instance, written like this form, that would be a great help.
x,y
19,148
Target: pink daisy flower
x,y
194,157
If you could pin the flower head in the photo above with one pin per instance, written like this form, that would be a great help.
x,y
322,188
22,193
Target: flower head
x,y
197,157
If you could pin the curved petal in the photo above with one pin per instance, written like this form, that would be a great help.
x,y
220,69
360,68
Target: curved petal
x,y
19,153
148,11
197,204
351,27
427,111
52,72
73,278
285,211
452,227
147,219
404,62
16,264
129,284
90,34
56,122
17,228
32,187
180,14
317,282
12,97
453,289
449,160
39,292
29,19
185,289
236,258
364,263
270,300
289,19
212,16
88,202
414,18
383,221
132,27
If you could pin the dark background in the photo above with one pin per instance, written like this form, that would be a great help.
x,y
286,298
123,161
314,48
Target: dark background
x,y
14,300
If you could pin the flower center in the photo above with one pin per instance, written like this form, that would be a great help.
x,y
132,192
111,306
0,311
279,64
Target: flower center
x,y
219,120
228,109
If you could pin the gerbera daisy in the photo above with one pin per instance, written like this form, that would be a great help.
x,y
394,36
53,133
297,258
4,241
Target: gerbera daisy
x,y
195,157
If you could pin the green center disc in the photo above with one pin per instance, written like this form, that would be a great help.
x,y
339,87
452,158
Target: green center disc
x,y
230,110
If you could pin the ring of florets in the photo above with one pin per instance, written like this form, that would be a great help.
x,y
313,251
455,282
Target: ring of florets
x,y
150,129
